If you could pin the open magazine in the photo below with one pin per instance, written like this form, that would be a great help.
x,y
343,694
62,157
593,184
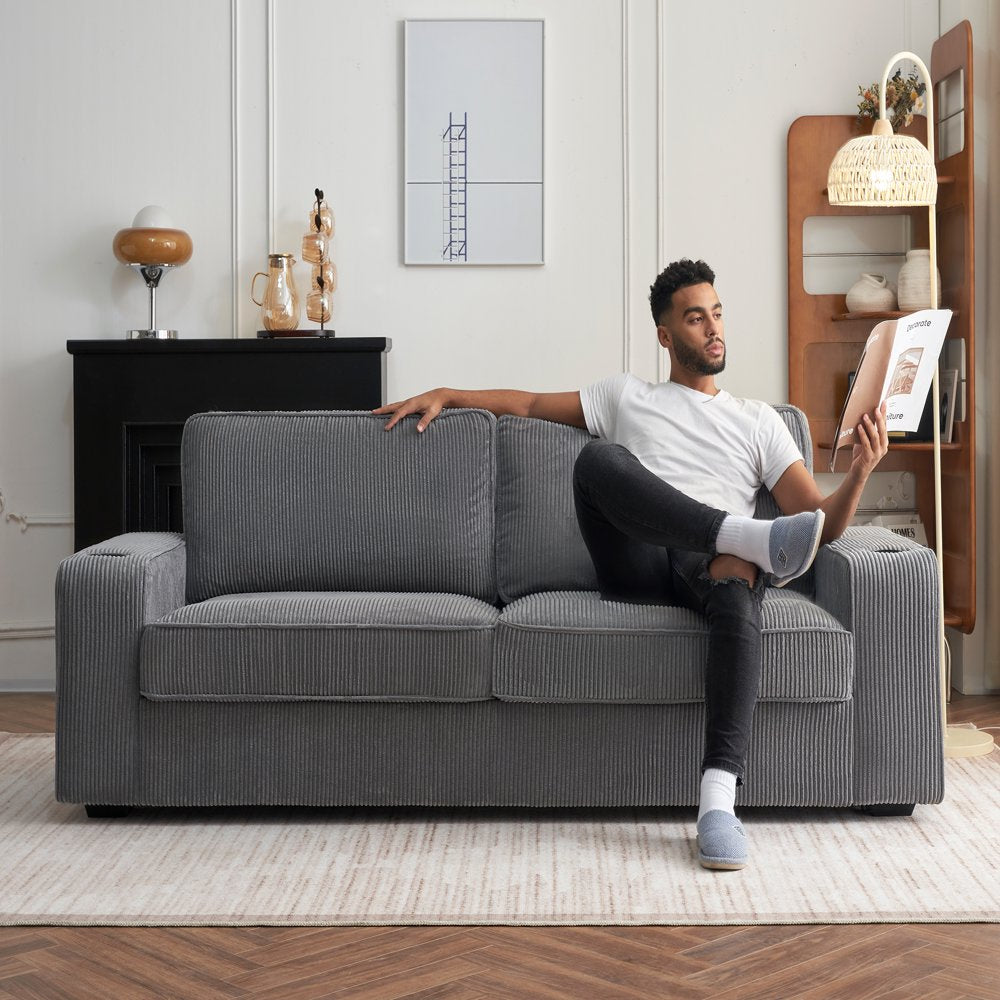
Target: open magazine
x,y
897,367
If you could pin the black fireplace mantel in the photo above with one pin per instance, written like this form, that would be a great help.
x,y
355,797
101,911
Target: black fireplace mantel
x,y
131,398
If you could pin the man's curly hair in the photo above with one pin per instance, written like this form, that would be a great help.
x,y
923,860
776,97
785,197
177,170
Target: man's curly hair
x,y
680,274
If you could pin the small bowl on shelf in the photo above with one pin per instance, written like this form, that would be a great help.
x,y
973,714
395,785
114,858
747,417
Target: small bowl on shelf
x,y
871,293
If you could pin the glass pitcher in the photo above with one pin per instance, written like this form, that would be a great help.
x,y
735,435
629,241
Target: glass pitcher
x,y
280,306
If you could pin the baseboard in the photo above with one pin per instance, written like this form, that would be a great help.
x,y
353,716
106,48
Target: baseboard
x,y
27,687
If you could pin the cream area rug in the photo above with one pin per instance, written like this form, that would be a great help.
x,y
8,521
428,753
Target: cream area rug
x,y
468,866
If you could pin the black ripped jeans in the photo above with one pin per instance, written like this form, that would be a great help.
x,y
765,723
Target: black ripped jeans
x,y
652,544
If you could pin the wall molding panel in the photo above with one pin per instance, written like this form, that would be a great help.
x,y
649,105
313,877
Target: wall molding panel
x,y
661,160
271,126
27,630
252,75
234,162
25,521
626,197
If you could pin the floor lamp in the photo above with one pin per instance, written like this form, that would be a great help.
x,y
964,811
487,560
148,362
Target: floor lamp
x,y
884,170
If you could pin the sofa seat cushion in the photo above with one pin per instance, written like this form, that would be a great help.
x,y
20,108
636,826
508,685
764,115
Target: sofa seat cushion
x,y
321,646
571,646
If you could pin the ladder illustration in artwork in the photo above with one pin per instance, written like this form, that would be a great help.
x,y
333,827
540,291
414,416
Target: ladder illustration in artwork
x,y
453,187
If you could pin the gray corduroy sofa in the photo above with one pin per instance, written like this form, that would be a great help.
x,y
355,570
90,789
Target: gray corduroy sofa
x,y
361,617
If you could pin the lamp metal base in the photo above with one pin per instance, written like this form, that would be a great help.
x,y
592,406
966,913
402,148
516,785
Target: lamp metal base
x,y
152,334
961,742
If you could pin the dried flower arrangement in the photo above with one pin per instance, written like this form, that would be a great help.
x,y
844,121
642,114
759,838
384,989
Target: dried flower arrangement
x,y
904,97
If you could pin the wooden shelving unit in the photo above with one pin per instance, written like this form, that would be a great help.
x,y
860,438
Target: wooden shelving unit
x,y
825,341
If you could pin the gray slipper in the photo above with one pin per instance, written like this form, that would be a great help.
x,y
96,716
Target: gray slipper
x,y
793,544
722,844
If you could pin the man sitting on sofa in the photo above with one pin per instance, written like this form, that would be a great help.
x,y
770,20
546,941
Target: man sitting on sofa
x,y
665,499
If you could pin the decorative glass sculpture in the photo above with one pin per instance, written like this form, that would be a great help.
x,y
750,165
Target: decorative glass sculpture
x,y
315,250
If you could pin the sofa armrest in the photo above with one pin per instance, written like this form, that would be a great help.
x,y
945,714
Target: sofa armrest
x,y
105,594
883,588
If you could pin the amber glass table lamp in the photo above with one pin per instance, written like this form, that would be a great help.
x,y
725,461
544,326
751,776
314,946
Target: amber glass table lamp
x,y
151,246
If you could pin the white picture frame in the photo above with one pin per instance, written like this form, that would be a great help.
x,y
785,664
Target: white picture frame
x,y
473,160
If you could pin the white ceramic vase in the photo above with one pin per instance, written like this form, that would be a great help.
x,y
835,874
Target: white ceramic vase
x,y
871,293
915,281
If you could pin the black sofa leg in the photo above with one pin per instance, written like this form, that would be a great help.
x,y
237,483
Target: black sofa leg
x,y
107,812
888,809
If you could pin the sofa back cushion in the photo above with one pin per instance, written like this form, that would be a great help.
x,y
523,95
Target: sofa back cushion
x,y
330,501
539,546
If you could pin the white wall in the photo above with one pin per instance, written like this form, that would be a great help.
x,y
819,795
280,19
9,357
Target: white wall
x,y
664,136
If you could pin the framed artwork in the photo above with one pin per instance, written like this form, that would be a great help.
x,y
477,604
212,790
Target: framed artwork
x,y
473,174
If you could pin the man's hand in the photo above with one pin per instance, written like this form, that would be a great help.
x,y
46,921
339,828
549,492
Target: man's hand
x,y
872,444
797,491
428,404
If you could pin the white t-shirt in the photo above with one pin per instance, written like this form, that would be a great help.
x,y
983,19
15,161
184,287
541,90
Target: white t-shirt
x,y
716,449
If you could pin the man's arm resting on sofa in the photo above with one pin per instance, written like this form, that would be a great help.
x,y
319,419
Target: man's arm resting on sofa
x,y
883,588
559,407
105,595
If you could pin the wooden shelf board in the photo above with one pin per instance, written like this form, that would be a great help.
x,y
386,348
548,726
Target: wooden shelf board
x,y
847,317
904,446
922,446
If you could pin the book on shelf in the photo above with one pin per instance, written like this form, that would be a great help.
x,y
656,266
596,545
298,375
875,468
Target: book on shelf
x,y
953,356
949,401
896,367
907,525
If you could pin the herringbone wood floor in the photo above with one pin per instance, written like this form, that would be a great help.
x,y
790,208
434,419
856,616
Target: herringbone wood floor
x,y
892,962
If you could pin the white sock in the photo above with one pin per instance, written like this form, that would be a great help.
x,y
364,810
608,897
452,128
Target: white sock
x,y
718,791
747,538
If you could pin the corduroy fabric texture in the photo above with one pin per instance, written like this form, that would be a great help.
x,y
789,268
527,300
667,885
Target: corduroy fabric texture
x,y
332,501
349,646
487,753
105,594
575,647
883,588
539,546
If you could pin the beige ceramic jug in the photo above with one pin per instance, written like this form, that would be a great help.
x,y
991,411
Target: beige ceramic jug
x,y
279,308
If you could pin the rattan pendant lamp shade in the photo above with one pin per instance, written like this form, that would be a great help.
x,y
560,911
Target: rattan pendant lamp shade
x,y
883,169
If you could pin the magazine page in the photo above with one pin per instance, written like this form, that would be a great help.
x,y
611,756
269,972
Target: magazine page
x,y
896,367
915,352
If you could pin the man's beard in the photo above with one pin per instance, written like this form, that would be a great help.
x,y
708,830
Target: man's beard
x,y
692,360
